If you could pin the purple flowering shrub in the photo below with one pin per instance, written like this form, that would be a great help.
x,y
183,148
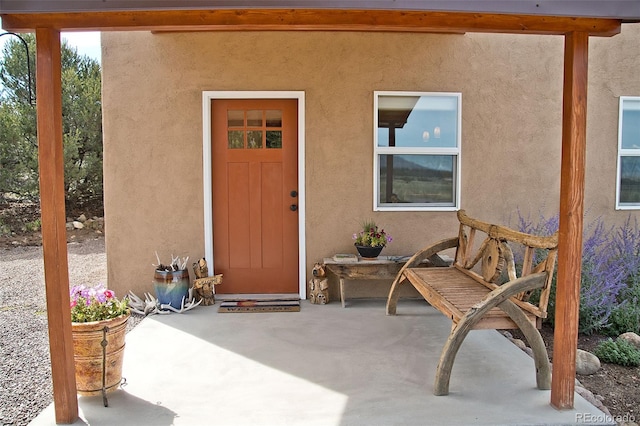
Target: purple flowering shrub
x,y
625,245
95,304
602,279
610,278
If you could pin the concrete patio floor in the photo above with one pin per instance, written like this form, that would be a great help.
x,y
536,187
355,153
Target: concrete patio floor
x,y
324,365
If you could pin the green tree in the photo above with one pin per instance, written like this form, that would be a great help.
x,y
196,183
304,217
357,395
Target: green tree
x,y
82,125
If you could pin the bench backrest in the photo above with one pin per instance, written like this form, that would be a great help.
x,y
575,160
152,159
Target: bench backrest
x,y
496,257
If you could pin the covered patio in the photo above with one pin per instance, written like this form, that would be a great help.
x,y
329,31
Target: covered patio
x,y
327,365
324,365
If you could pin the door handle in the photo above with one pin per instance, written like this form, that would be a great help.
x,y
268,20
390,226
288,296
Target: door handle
x,y
293,207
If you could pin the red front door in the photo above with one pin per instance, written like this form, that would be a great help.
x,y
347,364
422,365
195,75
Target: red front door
x,y
255,177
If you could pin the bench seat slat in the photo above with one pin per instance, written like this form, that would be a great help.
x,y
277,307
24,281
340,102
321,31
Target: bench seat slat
x,y
454,293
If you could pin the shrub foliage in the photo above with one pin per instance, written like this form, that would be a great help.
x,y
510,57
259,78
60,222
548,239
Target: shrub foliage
x,y
618,351
610,279
82,125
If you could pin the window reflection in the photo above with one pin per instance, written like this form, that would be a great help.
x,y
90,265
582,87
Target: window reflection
x,y
630,180
254,118
254,139
417,179
274,118
235,139
254,132
235,118
418,121
417,144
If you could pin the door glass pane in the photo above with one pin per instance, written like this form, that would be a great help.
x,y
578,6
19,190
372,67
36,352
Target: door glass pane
x,y
235,118
274,118
274,139
254,139
254,118
236,139
630,180
417,179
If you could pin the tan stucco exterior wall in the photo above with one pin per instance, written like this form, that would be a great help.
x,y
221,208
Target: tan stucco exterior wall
x,y
511,130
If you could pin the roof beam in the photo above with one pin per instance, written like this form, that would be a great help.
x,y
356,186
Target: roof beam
x,y
310,20
618,9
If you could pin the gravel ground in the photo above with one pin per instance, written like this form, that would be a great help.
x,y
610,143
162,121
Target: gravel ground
x,y
25,366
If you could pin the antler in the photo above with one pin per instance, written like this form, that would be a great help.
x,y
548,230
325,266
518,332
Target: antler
x,y
183,308
150,305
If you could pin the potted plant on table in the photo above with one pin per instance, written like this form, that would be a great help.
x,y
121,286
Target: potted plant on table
x,y
98,325
370,240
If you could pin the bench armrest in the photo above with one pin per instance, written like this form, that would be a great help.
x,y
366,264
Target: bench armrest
x,y
504,292
414,261
427,252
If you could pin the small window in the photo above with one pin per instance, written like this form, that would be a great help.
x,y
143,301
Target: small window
x,y
417,151
628,185
247,129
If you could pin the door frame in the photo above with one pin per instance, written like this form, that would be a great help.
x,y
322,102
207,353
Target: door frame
x,y
207,98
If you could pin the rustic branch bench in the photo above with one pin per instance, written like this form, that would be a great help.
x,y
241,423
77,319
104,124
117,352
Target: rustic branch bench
x,y
472,295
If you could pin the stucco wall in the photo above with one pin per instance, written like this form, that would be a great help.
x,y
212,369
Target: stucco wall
x,y
614,71
511,129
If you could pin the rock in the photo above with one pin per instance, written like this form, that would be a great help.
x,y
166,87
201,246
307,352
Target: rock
x,y
507,335
588,395
632,338
98,223
90,223
82,218
77,225
69,226
519,343
586,363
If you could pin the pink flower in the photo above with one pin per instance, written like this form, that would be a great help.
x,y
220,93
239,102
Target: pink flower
x,y
73,303
109,293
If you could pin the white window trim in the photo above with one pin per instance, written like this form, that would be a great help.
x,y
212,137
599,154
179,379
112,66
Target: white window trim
x,y
622,152
401,150
207,97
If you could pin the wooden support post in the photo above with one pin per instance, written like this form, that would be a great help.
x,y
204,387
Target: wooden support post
x,y
574,147
54,234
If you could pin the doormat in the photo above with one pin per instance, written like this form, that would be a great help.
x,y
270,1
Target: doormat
x,y
260,306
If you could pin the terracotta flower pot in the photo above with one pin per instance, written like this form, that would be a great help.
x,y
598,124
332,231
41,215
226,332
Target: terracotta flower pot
x,y
92,361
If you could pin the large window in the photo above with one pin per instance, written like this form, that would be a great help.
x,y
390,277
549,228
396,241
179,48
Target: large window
x,y
628,191
417,151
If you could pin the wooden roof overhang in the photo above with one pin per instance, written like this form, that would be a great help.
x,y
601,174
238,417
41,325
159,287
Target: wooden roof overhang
x,y
47,24
310,20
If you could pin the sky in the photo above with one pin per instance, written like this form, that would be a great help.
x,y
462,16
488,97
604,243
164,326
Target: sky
x,y
87,43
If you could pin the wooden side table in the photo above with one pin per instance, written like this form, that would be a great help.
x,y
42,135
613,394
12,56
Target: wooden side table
x,y
381,268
